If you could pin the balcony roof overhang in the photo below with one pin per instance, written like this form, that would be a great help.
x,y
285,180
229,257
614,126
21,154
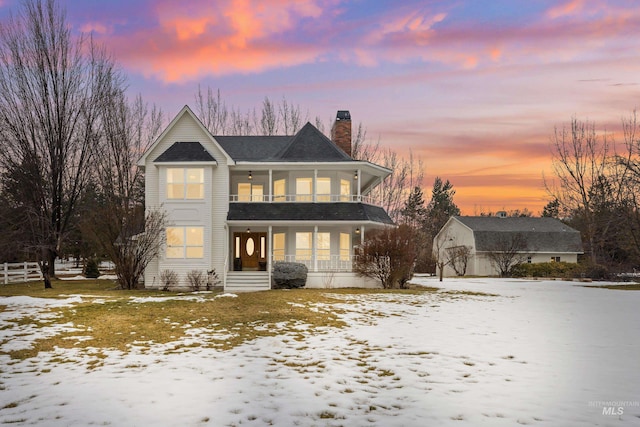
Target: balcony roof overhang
x,y
325,213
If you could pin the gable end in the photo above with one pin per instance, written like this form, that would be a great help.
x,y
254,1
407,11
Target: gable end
x,y
185,152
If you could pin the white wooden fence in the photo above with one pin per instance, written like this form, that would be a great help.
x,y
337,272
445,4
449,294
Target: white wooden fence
x,y
20,272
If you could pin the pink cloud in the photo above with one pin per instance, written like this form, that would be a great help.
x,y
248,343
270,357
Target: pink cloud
x,y
216,38
567,8
95,27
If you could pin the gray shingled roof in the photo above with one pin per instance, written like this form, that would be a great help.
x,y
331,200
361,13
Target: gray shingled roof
x,y
308,145
340,211
253,148
541,234
185,152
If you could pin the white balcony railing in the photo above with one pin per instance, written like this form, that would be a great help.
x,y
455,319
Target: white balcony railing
x,y
304,198
332,263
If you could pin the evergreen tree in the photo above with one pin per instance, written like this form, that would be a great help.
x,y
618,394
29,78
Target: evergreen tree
x,y
441,207
551,209
414,211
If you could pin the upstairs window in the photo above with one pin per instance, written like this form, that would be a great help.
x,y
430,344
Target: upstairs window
x,y
323,189
303,189
279,190
345,190
185,183
250,192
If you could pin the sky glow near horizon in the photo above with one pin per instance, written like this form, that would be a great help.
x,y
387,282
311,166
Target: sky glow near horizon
x,y
473,89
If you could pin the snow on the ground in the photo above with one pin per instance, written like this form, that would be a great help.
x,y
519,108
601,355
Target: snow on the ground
x,y
540,353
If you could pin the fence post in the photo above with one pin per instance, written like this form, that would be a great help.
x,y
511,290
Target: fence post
x,y
6,273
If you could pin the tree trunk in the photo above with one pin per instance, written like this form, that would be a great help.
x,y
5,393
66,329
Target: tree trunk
x,y
51,264
47,280
44,269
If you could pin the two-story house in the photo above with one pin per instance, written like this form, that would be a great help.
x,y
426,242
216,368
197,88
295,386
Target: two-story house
x,y
237,204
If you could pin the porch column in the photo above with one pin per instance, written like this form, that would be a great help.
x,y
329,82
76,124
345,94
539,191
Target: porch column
x,y
270,185
225,267
362,235
315,185
314,246
358,184
269,248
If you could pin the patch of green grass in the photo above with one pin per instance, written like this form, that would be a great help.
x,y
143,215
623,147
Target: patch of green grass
x,y
10,405
634,287
327,415
386,373
61,288
121,324
470,293
223,323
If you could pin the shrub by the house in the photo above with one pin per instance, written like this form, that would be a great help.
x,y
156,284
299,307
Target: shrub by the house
x,y
213,280
196,280
388,255
289,275
544,269
169,279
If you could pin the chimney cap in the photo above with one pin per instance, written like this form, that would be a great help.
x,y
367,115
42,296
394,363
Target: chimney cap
x,y
343,115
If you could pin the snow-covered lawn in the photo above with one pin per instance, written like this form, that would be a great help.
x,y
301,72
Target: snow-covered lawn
x,y
541,353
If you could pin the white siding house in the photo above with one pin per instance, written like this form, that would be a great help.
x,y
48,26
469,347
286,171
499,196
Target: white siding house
x,y
237,204
544,240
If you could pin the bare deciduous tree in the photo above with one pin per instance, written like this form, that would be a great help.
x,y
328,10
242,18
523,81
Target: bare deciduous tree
x,y
507,251
282,119
135,251
117,222
458,258
580,161
52,87
268,118
212,111
396,188
439,250
364,149
388,255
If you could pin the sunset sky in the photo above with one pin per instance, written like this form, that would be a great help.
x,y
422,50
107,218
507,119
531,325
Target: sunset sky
x,y
473,88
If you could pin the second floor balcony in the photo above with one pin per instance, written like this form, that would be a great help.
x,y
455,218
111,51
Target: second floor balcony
x,y
306,186
304,198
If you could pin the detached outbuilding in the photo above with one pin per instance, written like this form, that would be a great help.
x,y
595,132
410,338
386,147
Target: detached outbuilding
x,y
471,244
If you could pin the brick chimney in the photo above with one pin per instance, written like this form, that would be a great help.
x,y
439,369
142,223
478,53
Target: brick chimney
x,y
341,131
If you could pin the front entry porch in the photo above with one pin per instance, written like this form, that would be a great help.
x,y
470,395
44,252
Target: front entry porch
x,y
250,251
327,251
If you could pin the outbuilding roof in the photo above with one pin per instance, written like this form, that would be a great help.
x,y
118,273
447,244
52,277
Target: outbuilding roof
x,y
541,234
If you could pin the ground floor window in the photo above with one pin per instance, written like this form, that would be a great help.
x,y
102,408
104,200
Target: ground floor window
x,y
345,246
303,246
185,242
555,259
278,246
323,247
